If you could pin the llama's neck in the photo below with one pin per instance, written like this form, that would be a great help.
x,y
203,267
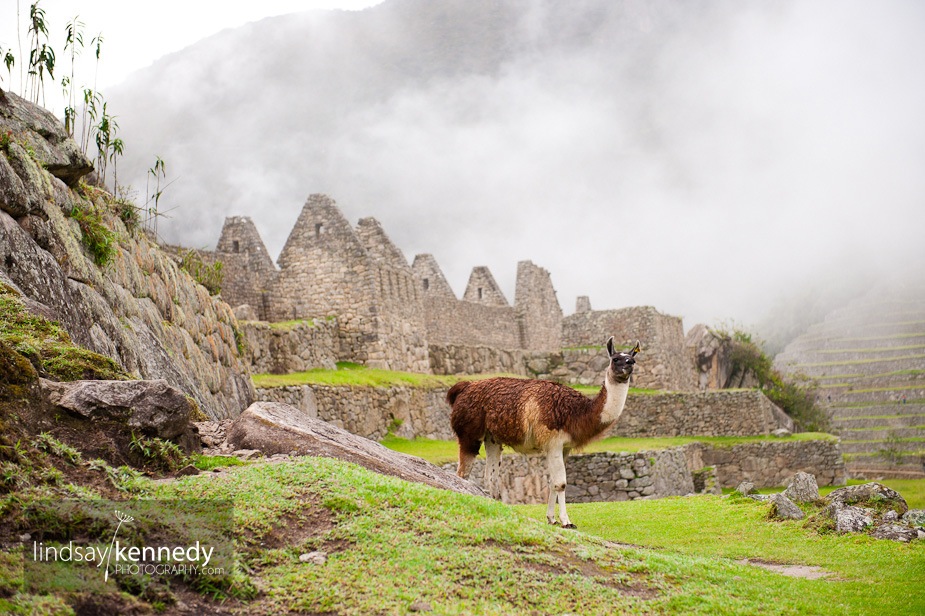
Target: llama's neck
x,y
601,413
614,400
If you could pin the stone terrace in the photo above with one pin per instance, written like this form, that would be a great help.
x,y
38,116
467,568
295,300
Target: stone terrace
x,y
869,361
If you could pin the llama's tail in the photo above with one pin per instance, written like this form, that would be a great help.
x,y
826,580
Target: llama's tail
x,y
455,390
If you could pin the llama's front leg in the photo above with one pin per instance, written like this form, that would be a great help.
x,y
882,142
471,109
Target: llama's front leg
x,y
551,504
493,467
555,462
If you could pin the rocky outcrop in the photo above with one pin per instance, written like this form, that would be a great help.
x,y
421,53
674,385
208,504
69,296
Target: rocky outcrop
x,y
275,428
140,309
713,357
869,508
153,408
802,488
784,508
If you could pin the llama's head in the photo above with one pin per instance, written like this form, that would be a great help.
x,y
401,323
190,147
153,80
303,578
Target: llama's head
x,y
621,362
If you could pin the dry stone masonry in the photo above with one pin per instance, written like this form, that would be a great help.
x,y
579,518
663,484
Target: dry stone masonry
x,y
393,315
141,310
604,476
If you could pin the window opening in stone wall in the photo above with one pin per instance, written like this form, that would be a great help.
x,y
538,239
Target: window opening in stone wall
x,y
236,246
426,284
480,292
319,229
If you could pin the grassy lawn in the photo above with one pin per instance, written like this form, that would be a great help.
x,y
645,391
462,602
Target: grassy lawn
x,y
440,452
355,375
868,576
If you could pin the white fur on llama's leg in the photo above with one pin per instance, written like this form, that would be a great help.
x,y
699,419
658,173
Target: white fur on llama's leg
x,y
493,468
555,462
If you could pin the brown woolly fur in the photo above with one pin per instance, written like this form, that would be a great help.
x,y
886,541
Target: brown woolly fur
x,y
505,408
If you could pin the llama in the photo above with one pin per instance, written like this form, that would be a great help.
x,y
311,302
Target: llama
x,y
533,416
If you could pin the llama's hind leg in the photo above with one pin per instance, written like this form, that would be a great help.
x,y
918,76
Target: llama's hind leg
x,y
555,462
493,467
467,454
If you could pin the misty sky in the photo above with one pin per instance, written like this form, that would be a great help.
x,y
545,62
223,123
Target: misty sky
x,y
728,156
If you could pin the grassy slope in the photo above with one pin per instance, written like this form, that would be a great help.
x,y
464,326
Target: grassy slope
x,y
392,543
479,556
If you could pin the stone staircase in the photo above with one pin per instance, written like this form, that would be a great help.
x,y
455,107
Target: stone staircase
x,y
869,362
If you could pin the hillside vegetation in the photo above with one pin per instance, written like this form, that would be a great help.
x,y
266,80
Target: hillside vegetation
x,y
392,547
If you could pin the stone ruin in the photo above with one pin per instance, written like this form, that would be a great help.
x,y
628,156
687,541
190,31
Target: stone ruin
x,y
390,314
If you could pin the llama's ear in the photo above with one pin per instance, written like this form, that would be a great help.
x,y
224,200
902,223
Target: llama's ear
x,y
610,346
636,348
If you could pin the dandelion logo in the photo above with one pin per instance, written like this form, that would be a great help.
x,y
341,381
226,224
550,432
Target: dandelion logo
x,y
122,518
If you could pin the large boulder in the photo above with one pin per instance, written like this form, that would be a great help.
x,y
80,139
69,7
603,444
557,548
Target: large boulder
x,y
852,519
802,488
276,428
154,408
784,508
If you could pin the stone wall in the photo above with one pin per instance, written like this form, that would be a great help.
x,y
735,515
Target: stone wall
x,y
282,348
462,323
593,477
664,353
769,464
537,308
745,412
610,476
373,412
463,359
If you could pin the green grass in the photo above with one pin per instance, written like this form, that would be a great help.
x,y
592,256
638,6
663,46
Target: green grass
x,y
208,463
47,346
869,576
392,543
441,452
354,375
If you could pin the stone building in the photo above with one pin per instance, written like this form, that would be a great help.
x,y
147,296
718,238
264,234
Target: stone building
x,y
667,358
249,271
388,312
392,315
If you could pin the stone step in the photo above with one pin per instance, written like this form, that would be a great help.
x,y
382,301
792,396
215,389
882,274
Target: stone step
x,y
852,354
908,447
816,345
836,397
912,407
881,433
897,381
867,469
865,367
847,425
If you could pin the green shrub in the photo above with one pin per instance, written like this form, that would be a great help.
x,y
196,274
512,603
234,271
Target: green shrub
x,y
158,453
797,397
209,276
